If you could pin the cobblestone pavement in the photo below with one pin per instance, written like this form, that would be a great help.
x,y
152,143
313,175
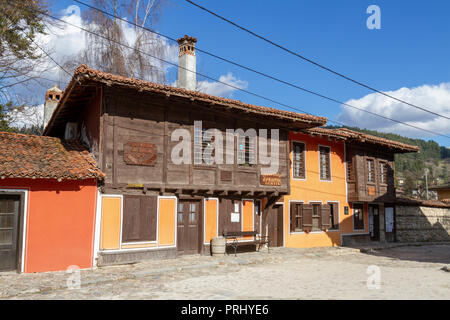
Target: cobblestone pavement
x,y
413,272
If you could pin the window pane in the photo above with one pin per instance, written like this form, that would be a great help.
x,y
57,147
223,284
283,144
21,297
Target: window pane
x,y
180,207
180,217
193,207
192,217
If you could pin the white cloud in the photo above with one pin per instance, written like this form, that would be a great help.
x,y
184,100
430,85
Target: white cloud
x,y
221,89
435,98
64,41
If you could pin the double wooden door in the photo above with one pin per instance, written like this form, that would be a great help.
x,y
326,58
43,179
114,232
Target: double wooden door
x,y
9,231
188,227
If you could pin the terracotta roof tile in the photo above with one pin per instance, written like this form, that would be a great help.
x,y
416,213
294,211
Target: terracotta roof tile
x,y
425,203
84,71
350,135
30,156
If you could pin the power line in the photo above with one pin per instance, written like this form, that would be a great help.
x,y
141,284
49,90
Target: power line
x,y
252,70
50,57
313,62
227,84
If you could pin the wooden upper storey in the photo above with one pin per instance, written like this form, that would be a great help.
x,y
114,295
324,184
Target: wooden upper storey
x,y
128,126
369,163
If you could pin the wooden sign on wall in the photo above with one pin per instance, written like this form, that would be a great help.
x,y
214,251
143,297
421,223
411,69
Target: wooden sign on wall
x,y
271,180
371,191
140,153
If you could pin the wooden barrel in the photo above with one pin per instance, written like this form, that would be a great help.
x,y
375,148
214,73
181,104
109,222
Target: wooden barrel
x,y
218,246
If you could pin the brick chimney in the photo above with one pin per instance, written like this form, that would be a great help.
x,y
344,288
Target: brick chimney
x,y
52,98
187,63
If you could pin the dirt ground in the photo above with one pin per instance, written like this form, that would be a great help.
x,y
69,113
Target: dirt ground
x,y
412,272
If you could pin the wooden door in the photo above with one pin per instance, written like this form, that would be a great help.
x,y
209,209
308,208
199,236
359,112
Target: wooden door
x,y
9,231
275,223
188,227
374,222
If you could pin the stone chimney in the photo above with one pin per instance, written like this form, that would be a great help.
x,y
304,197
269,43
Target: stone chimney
x,y
187,63
52,98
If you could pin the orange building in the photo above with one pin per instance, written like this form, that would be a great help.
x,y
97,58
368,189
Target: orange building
x,y
48,194
315,210
342,188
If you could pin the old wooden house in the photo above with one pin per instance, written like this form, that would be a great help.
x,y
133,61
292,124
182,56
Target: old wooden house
x,y
151,205
370,183
342,188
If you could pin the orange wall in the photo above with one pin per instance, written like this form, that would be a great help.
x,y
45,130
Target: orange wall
x,y
211,207
110,223
312,189
167,222
60,223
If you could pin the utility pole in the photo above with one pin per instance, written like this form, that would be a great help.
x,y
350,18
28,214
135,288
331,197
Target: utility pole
x,y
426,181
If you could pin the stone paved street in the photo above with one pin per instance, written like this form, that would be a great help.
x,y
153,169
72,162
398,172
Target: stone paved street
x,y
412,272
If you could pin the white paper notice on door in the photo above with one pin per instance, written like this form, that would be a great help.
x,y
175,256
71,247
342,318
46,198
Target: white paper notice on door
x,y
389,216
235,216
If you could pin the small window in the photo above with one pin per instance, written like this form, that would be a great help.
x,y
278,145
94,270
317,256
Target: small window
x,y
298,164
370,171
350,170
203,139
246,152
383,172
325,170
296,217
316,217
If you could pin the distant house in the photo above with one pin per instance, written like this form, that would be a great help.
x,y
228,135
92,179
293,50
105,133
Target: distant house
x,y
48,193
443,191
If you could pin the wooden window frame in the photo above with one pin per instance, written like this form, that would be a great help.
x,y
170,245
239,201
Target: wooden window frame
x,y
204,144
372,160
318,217
247,151
143,200
328,175
293,229
350,171
302,175
383,175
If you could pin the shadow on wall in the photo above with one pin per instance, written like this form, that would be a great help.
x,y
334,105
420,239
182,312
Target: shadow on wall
x,y
422,223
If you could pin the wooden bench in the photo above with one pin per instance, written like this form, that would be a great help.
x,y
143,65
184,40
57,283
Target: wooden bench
x,y
235,235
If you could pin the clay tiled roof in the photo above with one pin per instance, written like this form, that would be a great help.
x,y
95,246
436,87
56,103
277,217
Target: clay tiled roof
x,y
424,203
84,72
350,135
29,156
440,187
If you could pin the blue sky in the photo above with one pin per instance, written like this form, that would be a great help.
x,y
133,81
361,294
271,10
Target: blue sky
x,y
410,51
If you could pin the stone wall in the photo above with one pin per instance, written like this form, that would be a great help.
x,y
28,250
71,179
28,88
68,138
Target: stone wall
x,y
422,224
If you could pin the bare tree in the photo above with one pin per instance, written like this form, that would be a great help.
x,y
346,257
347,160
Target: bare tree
x,y
22,62
107,54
